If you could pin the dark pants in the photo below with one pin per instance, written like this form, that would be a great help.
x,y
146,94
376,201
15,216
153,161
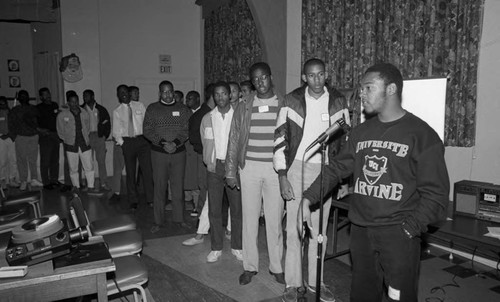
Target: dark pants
x,y
168,168
216,187
49,158
385,264
138,149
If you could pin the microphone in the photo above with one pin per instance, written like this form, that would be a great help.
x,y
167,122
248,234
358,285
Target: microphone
x,y
339,124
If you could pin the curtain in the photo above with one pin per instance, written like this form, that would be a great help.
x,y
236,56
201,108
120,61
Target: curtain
x,y
46,67
232,43
433,38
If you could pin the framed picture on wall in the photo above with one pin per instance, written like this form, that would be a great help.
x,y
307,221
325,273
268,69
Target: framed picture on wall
x,y
14,82
13,65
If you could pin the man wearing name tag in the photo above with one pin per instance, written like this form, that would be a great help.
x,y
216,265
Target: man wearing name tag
x,y
128,119
306,113
250,150
166,125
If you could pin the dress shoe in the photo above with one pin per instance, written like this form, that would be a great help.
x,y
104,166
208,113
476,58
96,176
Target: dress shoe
x,y
280,277
36,183
246,277
115,197
238,254
193,241
66,188
214,256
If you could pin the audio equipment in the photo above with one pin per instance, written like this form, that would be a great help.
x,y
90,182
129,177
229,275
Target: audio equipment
x,y
339,124
38,240
477,199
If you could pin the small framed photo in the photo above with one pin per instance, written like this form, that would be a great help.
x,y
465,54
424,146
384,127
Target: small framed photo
x,y
14,82
13,65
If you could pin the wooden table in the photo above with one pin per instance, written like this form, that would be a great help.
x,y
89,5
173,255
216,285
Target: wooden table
x,y
43,283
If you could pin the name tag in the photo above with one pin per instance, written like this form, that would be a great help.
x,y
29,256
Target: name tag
x,y
56,111
2,118
209,134
95,113
264,108
325,117
176,113
66,119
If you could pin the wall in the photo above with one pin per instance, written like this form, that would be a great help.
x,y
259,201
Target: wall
x,y
15,43
119,41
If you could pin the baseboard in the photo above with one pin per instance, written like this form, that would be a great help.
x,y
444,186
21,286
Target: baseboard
x,y
467,256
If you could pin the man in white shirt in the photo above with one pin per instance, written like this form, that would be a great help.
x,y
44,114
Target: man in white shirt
x,y
127,132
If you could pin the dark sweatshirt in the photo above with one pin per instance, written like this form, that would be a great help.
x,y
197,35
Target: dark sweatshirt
x,y
399,171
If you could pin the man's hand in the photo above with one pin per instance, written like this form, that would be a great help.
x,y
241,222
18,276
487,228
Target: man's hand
x,y
343,191
169,147
232,182
304,214
286,189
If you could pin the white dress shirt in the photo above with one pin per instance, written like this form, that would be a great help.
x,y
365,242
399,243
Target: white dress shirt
x,y
121,120
221,128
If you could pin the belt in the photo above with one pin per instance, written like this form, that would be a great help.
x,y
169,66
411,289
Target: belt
x,y
222,161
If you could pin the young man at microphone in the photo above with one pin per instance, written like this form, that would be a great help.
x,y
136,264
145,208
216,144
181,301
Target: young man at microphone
x,y
307,112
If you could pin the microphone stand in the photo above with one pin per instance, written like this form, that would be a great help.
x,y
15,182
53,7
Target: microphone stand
x,y
319,263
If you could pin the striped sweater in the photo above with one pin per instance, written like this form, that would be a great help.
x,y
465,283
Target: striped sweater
x,y
262,125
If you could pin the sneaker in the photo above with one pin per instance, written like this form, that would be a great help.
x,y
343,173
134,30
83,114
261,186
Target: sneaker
x,y
214,256
23,186
36,183
325,293
155,228
14,183
290,294
228,235
193,241
238,254
194,213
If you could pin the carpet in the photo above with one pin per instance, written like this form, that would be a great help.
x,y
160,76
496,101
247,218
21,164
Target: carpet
x,y
167,257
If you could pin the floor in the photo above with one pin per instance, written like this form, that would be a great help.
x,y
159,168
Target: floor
x,y
442,279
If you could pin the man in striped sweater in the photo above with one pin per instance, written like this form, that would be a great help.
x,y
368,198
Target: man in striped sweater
x,y
250,150
166,125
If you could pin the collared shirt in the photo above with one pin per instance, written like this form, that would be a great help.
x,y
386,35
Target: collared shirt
x,y
47,115
317,120
4,126
221,127
121,120
94,117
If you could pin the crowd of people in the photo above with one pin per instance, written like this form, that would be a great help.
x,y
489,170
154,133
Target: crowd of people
x,y
250,148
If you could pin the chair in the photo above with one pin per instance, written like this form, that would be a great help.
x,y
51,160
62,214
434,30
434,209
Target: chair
x,y
332,248
120,244
130,274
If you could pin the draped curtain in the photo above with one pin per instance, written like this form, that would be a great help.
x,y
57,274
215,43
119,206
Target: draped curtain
x,y
433,38
46,68
232,43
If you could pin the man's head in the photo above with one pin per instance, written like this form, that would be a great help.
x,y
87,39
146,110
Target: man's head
x,y
4,105
381,88
23,97
179,96
246,88
72,100
122,94
88,97
314,74
44,94
221,95
193,99
134,93
260,74
235,92
209,95
166,92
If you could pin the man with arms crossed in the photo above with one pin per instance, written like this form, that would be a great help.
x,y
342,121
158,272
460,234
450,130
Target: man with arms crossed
x,y
401,185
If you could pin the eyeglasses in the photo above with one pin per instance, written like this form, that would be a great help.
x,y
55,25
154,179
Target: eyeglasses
x,y
263,77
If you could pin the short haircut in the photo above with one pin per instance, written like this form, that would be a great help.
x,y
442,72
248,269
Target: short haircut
x,y
71,93
248,84
132,88
42,90
260,65
121,86
234,83
163,83
389,74
179,92
196,93
89,91
313,61
221,84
